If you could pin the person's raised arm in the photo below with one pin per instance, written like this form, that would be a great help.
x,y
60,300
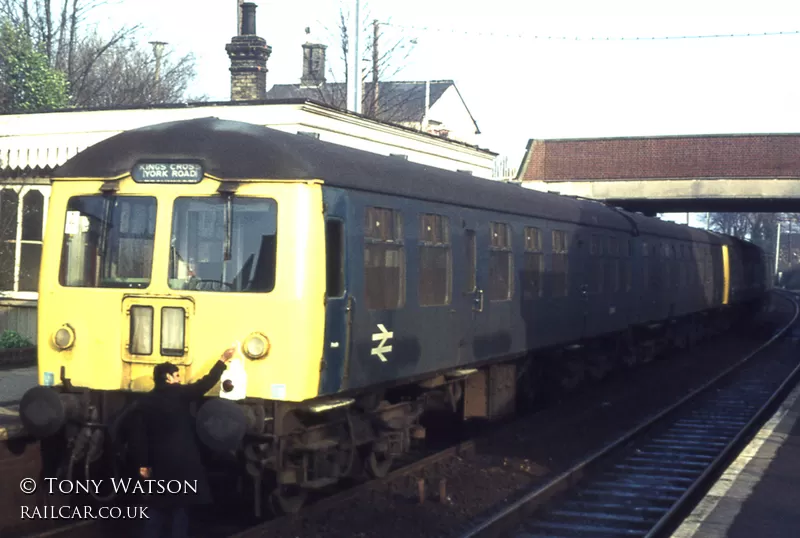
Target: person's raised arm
x,y
205,383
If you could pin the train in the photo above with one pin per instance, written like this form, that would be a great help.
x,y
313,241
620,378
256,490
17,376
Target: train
x,y
363,293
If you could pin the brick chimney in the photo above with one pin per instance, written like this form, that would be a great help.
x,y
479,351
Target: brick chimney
x,y
248,54
313,63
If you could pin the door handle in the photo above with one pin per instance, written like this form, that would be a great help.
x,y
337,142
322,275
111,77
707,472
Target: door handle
x,y
479,300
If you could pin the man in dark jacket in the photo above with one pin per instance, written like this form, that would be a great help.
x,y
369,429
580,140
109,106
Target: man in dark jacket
x,y
164,446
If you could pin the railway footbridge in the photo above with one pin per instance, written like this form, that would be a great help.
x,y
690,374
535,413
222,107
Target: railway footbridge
x,y
671,174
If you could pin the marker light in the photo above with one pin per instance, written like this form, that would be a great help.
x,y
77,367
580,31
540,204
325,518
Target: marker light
x,y
256,346
64,337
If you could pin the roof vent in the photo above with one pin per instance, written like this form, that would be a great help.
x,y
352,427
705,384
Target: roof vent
x,y
309,134
399,156
465,171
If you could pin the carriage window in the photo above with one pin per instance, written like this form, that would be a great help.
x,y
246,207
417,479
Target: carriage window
x,y
560,268
645,266
597,265
470,258
500,263
627,267
384,259
534,265
108,242
613,273
675,267
334,248
434,260
684,267
202,259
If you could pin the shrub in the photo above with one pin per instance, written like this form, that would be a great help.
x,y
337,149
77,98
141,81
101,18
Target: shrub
x,y
13,340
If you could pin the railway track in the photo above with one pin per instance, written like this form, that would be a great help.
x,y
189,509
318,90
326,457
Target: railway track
x,y
644,483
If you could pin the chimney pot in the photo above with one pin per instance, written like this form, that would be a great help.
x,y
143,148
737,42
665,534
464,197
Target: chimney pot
x,y
313,65
248,18
248,54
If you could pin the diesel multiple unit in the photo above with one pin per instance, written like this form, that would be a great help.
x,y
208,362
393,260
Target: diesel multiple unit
x,y
363,291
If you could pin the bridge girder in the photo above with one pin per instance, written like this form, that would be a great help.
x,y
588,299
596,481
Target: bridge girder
x,y
700,195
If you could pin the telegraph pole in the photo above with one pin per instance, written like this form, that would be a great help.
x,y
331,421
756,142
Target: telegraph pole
x,y
356,63
158,49
375,88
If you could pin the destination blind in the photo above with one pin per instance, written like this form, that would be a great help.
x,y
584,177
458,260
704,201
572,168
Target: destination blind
x,y
167,173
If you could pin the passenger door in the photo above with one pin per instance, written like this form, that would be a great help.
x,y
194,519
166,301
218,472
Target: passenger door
x,y
338,298
471,301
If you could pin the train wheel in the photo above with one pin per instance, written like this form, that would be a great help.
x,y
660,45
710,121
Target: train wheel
x,y
378,463
530,384
370,402
629,358
648,352
627,352
286,499
599,367
684,340
572,374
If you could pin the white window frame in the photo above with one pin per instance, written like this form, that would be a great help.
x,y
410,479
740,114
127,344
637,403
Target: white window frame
x,y
21,191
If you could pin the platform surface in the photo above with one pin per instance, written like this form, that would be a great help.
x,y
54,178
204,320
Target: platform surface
x,y
758,496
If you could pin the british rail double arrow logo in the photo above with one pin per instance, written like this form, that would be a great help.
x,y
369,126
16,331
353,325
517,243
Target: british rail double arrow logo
x,y
382,348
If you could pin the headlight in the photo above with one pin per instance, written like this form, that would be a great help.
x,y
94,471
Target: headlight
x,y
256,346
64,337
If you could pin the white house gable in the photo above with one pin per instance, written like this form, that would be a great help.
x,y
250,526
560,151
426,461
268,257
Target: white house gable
x,y
449,113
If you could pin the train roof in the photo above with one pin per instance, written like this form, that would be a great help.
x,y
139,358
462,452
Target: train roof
x,y
232,150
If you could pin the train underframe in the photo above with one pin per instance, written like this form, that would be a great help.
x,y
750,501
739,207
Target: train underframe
x,y
291,449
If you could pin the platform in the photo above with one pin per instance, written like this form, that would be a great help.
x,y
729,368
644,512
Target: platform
x,y
759,494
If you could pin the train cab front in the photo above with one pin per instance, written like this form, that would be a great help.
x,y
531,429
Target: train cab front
x,y
168,264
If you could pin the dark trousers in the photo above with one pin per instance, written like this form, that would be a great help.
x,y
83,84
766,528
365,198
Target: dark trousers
x,y
157,515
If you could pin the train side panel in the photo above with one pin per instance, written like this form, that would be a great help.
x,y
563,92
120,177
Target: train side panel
x,y
433,287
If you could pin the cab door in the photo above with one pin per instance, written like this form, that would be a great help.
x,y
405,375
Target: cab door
x,y
338,298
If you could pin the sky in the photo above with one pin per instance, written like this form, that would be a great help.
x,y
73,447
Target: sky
x,y
532,69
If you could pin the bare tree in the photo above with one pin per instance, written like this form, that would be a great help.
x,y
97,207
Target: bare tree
x,y
735,224
383,60
762,229
59,28
334,93
123,74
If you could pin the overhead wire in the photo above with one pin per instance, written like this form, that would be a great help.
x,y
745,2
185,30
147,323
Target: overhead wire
x,y
583,38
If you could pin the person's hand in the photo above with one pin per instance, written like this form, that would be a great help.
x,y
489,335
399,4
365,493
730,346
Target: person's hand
x,y
144,472
227,354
